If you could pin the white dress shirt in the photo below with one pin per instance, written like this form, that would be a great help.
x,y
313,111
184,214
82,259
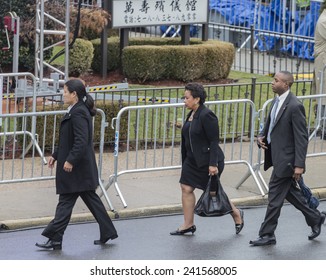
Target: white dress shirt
x,y
282,99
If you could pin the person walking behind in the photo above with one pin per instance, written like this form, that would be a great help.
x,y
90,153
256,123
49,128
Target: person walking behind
x,y
201,156
76,173
284,139
319,64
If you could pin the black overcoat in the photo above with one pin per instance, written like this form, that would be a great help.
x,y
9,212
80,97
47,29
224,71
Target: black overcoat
x,y
76,146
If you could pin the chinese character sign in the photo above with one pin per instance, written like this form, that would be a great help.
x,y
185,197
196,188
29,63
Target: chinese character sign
x,y
128,13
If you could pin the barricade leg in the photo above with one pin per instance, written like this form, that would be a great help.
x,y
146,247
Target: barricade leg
x,y
262,180
105,188
105,195
120,194
251,172
34,141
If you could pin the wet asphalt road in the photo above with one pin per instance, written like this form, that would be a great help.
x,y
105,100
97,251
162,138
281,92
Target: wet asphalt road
x,y
149,239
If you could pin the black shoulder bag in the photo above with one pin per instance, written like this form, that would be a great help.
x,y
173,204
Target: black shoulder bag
x,y
213,205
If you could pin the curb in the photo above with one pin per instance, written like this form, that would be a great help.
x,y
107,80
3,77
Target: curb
x,y
320,193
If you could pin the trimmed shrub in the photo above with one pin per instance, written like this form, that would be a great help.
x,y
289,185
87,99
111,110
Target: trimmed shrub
x,y
113,50
218,61
142,68
160,58
187,63
114,61
80,57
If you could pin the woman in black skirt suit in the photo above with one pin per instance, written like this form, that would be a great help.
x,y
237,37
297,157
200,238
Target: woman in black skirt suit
x,y
201,156
76,173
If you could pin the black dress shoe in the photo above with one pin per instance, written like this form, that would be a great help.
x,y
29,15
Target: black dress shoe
x,y
316,229
239,227
103,241
50,244
264,240
191,229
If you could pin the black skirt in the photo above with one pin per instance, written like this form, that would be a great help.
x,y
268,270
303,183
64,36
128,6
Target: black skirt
x,y
196,177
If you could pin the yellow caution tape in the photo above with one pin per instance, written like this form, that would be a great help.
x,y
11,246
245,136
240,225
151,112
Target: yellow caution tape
x,y
304,76
301,76
94,89
8,96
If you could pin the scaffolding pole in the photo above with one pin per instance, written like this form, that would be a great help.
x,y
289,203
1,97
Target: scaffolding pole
x,y
40,48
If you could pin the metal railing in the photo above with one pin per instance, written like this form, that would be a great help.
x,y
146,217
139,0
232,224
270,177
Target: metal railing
x,y
152,137
257,92
23,160
147,137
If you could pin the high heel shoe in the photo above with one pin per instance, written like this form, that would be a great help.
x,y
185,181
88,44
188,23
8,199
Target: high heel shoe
x,y
50,244
191,229
239,227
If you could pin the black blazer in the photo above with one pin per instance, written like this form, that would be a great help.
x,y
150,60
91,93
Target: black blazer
x,y
76,146
204,138
289,138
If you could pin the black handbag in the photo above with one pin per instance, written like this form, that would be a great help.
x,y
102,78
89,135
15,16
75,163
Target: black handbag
x,y
213,205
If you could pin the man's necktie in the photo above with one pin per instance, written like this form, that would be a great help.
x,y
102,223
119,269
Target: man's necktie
x,y
273,116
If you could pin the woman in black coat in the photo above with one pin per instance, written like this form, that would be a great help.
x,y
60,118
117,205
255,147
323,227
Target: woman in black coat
x,y
201,156
76,173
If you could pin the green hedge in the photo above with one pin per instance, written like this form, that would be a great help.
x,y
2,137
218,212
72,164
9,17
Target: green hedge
x,y
113,54
142,68
114,49
165,58
80,57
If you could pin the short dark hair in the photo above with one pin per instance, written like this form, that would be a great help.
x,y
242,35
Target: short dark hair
x,y
197,90
288,77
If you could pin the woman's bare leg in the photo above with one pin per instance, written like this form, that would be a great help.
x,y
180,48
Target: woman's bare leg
x,y
236,214
188,205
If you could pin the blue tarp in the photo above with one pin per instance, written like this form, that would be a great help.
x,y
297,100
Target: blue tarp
x,y
235,13
271,18
306,28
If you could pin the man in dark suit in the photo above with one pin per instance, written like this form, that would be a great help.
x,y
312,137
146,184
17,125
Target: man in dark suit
x,y
285,140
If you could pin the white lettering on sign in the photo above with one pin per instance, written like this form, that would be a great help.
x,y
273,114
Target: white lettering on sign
x,y
128,13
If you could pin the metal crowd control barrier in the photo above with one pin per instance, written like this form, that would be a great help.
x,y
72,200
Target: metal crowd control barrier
x,y
10,90
151,137
19,161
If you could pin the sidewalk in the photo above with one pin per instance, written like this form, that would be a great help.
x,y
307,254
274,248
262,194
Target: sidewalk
x,y
146,194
